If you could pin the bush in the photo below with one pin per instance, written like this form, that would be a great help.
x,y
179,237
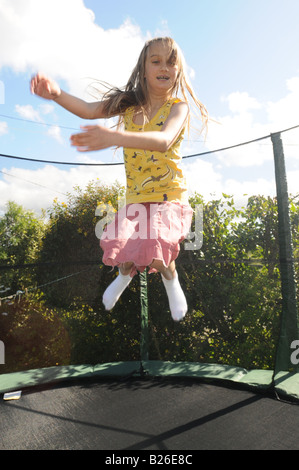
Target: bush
x,y
232,285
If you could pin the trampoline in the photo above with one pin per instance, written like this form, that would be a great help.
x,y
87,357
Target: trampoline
x,y
226,378
147,414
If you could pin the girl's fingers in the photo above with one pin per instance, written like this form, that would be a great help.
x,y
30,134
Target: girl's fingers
x,y
77,140
83,136
80,139
91,138
43,86
33,84
88,128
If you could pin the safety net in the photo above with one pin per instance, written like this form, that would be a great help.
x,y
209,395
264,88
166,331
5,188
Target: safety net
x,y
238,269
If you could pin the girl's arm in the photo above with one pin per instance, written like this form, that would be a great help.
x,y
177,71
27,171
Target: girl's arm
x,y
48,89
99,138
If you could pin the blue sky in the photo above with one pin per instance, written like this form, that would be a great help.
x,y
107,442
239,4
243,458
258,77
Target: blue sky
x,y
243,62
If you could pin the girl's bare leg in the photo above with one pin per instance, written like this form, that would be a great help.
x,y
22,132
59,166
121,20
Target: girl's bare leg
x,y
125,268
167,272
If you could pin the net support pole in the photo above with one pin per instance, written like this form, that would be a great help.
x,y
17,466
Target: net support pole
x,y
144,355
289,316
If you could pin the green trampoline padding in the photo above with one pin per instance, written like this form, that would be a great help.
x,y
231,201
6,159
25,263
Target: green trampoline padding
x,y
283,383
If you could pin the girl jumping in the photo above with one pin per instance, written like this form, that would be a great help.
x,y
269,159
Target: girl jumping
x,y
154,120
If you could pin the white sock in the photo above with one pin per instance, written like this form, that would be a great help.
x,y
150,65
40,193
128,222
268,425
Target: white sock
x,y
115,289
176,297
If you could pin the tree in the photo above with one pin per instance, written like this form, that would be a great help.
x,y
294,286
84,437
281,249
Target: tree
x,y
20,233
70,245
232,284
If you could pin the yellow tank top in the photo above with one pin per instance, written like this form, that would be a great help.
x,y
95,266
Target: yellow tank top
x,y
154,176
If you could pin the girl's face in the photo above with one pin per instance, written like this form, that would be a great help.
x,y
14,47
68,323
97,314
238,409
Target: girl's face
x,y
161,69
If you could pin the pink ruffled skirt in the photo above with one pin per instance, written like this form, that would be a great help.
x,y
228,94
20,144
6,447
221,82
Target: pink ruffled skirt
x,y
143,232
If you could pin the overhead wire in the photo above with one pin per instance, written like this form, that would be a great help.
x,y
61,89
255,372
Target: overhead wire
x,y
109,163
32,182
21,292
6,267
41,123
122,163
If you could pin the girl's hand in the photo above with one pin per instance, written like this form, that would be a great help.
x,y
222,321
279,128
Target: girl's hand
x,y
44,87
93,138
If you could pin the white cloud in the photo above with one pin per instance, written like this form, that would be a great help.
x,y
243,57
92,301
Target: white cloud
x,y
284,113
202,177
3,128
32,114
293,178
248,169
259,186
55,132
62,39
28,112
36,189
248,119
241,102
46,108
239,125
163,29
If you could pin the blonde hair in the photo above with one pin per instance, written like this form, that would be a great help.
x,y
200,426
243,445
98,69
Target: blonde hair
x,y
135,93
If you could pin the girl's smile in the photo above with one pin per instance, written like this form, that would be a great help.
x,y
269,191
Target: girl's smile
x,y
163,77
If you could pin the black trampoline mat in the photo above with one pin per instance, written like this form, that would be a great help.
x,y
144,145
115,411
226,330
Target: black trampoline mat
x,y
150,414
